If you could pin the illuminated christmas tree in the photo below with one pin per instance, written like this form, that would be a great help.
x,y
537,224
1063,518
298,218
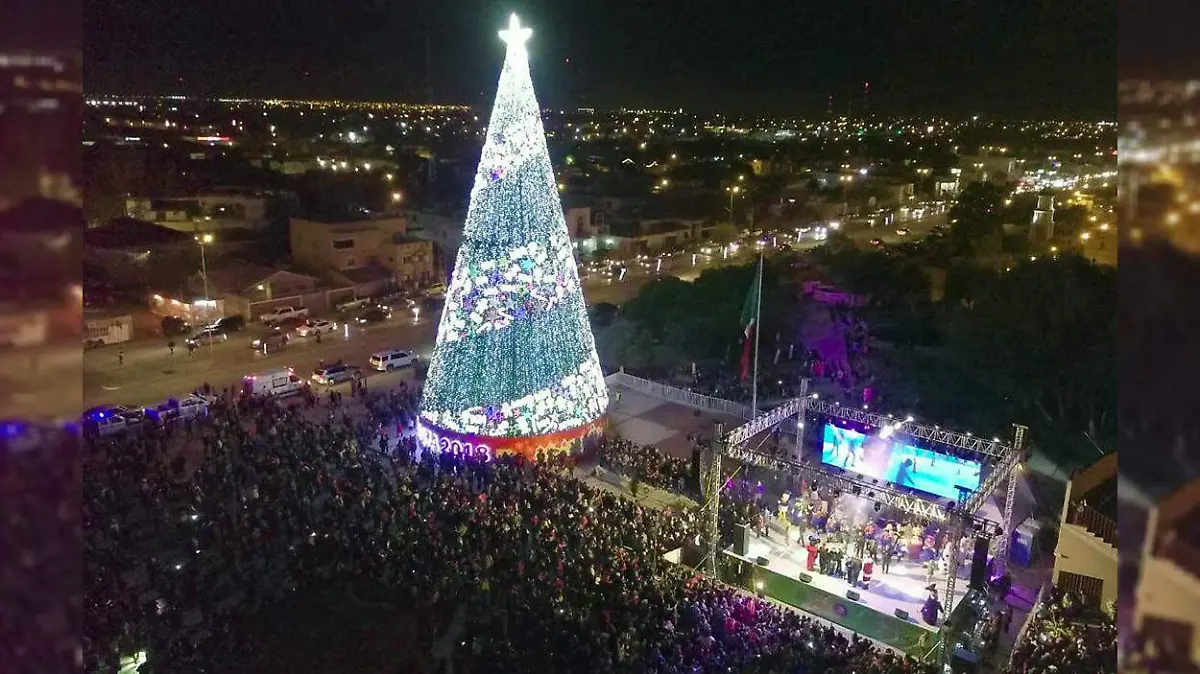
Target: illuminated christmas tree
x,y
514,368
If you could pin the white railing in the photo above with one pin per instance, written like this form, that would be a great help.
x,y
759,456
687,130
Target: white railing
x,y
677,395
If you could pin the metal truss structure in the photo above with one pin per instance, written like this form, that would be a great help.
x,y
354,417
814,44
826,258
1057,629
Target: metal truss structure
x,y
961,518
849,483
992,448
1009,466
791,408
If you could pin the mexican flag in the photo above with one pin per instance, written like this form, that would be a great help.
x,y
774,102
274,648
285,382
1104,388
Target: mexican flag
x,y
750,322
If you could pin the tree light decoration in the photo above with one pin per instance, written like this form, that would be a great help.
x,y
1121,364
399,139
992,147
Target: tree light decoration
x,y
514,357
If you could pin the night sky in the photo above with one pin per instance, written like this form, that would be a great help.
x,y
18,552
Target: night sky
x,y
1158,38
1007,57
40,25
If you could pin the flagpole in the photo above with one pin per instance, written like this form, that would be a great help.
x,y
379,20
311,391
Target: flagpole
x,y
757,333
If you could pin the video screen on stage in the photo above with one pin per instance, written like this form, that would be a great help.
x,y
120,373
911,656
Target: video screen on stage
x,y
904,465
933,473
855,451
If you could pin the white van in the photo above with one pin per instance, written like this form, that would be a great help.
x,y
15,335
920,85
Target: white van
x,y
278,383
392,359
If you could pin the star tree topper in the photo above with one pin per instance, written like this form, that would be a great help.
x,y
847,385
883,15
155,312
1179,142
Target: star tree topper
x,y
515,35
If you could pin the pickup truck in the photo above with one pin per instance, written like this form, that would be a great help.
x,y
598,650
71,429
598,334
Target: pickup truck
x,y
283,313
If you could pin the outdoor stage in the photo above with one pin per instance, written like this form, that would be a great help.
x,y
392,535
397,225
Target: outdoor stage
x,y
873,614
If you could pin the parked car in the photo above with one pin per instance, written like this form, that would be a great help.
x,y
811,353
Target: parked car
x,y
903,231
376,314
174,326
876,242
230,323
317,327
283,313
436,290
271,341
183,408
335,374
392,359
209,335
352,305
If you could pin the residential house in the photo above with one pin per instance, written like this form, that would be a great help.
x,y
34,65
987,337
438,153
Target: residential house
x,y
1168,591
1086,558
250,290
209,212
377,250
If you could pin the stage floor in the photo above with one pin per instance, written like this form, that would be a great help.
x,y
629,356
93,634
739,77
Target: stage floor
x,y
902,587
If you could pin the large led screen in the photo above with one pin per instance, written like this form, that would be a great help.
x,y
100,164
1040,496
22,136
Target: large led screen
x,y
904,465
930,472
855,452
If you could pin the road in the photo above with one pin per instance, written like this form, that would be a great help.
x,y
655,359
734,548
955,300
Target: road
x,y
149,373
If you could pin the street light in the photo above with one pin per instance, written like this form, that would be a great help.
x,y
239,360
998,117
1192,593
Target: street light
x,y
1085,236
732,191
204,240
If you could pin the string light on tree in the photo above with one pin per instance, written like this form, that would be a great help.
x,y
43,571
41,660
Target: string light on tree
x,y
514,367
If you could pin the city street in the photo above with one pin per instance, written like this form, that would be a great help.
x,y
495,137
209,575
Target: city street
x,y
150,373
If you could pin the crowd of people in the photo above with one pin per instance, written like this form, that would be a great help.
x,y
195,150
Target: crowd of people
x,y
191,527
40,476
1064,635
646,464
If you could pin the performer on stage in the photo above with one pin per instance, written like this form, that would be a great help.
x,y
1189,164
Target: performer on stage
x,y
868,567
812,551
853,568
932,607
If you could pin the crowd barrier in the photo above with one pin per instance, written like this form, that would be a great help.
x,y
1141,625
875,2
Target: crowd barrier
x,y
677,395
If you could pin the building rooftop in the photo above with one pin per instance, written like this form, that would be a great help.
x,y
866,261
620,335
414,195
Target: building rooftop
x,y
128,232
41,215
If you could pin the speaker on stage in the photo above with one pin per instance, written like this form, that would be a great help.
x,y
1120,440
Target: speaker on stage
x,y
805,578
741,540
901,614
762,561
852,595
979,566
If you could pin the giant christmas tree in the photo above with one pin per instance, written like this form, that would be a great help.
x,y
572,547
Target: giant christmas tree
x,y
514,368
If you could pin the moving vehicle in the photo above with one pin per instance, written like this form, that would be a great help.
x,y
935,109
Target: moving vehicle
x,y
283,313
392,359
270,342
109,420
274,384
876,242
436,290
376,314
335,374
317,327
183,408
903,231
209,335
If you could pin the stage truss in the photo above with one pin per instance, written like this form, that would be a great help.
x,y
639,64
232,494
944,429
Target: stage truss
x,y
960,518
